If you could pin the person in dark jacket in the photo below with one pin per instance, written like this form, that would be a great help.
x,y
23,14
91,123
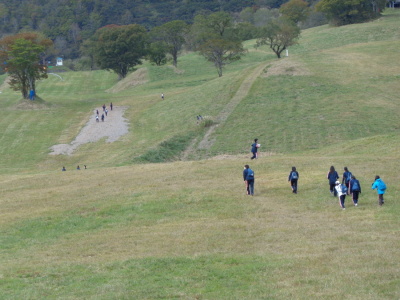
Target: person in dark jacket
x,y
380,186
254,149
332,177
346,178
248,177
293,177
355,189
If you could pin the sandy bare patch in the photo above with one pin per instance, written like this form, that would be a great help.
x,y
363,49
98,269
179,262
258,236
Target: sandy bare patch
x,y
287,66
113,127
134,79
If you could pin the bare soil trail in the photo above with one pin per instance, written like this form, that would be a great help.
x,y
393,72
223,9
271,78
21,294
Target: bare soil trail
x,y
113,127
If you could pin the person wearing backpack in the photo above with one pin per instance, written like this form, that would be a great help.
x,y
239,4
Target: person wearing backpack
x,y
248,177
254,149
332,177
341,190
380,187
346,177
355,189
293,178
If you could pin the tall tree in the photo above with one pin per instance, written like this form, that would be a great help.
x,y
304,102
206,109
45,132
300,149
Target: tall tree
x,y
120,48
342,12
172,35
21,56
278,35
215,41
221,52
295,10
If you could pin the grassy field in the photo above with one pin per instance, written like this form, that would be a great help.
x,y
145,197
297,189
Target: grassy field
x,y
184,229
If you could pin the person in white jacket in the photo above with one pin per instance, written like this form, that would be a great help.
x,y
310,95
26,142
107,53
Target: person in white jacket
x,y
341,193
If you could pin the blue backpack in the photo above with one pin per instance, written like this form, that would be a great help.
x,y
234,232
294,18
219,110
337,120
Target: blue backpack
x,y
294,175
381,185
344,189
348,178
355,187
250,174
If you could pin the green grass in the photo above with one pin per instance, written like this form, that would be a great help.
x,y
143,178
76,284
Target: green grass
x,y
129,229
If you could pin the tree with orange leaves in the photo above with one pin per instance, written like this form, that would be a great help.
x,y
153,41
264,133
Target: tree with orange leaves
x,y
20,57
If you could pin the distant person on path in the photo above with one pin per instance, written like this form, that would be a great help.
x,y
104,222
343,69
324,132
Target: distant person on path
x,y
248,177
254,149
78,168
85,167
104,107
102,117
97,112
346,177
332,177
63,169
97,118
380,187
106,111
111,105
341,192
162,96
32,95
355,189
293,178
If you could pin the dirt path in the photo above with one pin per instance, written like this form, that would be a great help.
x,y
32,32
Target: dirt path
x,y
113,127
241,93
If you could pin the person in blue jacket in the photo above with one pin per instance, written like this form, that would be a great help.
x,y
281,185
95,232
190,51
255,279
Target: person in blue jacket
x,y
248,177
293,178
332,177
355,189
346,178
254,149
380,187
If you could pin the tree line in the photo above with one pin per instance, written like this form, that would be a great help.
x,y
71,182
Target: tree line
x,y
217,36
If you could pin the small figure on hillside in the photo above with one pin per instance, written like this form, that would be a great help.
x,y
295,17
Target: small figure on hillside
x,y
97,118
97,112
380,187
63,169
162,96
248,177
104,107
341,191
102,117
78,168
106,111
293,178
199,118
254,149
332,177
111,105
355,189
346,177
85,167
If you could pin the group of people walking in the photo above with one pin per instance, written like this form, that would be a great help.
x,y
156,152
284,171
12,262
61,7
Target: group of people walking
x,y
349,185
104,114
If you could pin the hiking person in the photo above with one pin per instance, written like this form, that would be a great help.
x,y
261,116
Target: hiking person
x,y
111,105
162,96
106,111
102,117
78,167
332,177
248,177
293,177
354,189
254,149
104,107
341,191
97,118
63,169
380,187
346,177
